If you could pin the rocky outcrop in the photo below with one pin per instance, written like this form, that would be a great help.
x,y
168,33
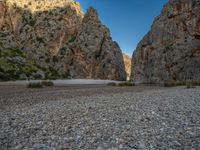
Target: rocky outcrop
x,y
127,63
54,33
171,50
93,54
39,28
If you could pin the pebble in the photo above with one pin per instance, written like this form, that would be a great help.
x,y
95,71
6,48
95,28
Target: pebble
x,y
166,118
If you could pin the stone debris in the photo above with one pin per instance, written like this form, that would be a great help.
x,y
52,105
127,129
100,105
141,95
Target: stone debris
x,y
137,118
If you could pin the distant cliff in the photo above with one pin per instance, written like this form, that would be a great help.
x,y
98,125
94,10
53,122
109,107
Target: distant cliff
x,y
171,50
127,62
57,36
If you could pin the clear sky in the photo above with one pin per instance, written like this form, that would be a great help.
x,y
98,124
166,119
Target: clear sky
x,y
128,20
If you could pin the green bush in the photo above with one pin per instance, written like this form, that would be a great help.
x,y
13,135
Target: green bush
x,y
195,83
4,76
35,85
10,69
72,39
189,85
126,84
47,83
192,84
112,84
174,83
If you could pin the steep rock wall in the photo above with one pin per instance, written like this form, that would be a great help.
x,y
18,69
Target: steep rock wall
x,y
171,49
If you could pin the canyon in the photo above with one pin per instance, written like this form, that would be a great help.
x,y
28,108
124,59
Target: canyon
x,y
56,40
55,51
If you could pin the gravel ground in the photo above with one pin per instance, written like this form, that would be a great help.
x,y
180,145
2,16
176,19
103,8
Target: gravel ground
x,y
99,118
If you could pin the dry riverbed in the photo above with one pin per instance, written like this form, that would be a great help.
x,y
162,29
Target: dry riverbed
x,y
99,117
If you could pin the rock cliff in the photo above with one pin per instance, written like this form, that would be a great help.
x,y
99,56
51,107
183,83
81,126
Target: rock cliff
x,y
127,63
53,34
93,54
171,50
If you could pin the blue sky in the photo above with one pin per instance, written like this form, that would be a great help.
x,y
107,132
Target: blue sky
x,y
128,20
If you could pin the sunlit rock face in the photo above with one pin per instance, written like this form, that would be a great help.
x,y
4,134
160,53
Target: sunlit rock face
x,y
171,49
127,63
44,5
93,54
48,30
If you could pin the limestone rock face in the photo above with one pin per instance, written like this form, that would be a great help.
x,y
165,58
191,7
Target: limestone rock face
x,y
171,50
57,36
40,28
127,62
93,54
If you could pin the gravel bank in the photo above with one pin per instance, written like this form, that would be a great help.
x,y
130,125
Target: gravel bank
x,y
100,118
60,82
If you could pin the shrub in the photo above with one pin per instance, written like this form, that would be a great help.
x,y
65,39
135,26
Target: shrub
x,y
174,83
55,59
47,83
35,85
189,85
149,83
195,83
192,84
37,76
63,51
126,84
32,22
112,84
72,39
39,39
4,76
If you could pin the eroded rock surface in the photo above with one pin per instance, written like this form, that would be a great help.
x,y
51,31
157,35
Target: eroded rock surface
x,y
55,33
93,54
171,50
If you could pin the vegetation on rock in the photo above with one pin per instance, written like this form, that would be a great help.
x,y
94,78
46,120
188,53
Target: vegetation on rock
x,y
15,65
